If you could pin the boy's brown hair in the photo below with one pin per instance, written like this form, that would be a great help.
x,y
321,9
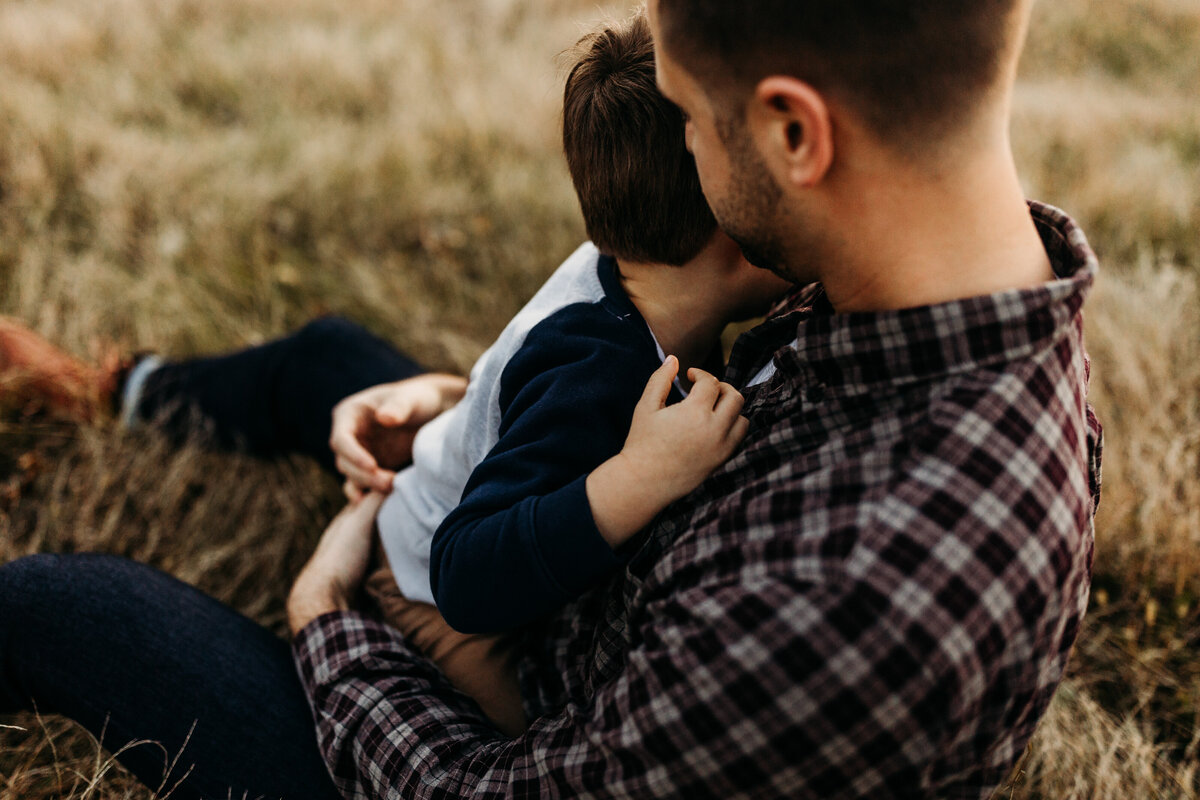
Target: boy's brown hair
x,y
624,142
914,70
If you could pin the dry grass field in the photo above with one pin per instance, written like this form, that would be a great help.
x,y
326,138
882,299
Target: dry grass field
x,y
190,175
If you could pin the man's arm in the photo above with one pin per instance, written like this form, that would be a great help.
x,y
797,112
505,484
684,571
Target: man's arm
x,y
332,577
764,690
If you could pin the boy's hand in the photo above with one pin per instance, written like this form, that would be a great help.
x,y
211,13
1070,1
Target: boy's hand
x,y
677,446
372,431
669,452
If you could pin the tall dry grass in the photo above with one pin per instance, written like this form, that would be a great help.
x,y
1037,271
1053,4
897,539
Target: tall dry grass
x,y
191,175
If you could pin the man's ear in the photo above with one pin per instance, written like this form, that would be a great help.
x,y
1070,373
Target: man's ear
x,y
790,123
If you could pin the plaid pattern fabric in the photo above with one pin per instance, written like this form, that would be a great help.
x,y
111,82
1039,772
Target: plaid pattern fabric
x,y
875,598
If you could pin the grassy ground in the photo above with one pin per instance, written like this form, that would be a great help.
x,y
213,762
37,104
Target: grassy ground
x,y
191,175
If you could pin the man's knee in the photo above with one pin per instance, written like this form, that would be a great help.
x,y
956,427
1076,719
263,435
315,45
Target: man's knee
x,y
41,588
22,583
25,594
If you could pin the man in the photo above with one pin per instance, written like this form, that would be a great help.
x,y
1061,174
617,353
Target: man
x,y
877,596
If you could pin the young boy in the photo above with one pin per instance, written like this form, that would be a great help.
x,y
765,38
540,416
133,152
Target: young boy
x,y
521,497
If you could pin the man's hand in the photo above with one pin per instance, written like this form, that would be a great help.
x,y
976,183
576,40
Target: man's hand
x,y
373,430
333,575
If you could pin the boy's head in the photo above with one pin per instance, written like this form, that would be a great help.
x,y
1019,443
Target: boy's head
x,y
625,148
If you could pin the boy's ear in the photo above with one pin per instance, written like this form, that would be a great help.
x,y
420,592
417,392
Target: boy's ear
x,y
789,121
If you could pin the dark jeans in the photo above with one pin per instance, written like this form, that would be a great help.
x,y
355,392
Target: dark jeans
x,y
125,649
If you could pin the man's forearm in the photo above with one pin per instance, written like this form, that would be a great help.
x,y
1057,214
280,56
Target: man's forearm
x,y
372,697
335,571
389,724
306,603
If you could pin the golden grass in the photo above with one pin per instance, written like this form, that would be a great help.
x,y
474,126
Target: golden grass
x,y
191,175
1125,723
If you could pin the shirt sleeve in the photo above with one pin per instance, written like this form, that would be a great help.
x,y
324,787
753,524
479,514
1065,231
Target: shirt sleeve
x,y
523,541
750,691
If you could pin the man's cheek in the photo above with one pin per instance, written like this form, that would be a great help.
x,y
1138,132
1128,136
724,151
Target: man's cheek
x,y
712,181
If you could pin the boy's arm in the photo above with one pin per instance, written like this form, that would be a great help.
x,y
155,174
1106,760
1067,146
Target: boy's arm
x,y
523,540
669,452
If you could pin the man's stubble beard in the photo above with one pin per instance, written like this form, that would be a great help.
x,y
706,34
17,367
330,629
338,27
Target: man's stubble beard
x,y
750,213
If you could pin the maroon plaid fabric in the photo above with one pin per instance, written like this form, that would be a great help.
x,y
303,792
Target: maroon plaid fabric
x,y
875,598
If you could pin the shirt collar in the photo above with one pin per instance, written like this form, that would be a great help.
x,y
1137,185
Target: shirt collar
x,y
856,353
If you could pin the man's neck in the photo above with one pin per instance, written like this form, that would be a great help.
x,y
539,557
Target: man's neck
x,y
925,240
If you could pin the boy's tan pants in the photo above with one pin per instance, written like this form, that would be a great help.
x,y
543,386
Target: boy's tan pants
x,y
481,666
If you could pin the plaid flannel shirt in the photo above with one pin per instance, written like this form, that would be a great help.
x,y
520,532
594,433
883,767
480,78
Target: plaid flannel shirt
x,y
876,597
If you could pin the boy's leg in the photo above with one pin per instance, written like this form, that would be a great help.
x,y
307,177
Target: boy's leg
x,y
131,652
483,667
274,398
270,399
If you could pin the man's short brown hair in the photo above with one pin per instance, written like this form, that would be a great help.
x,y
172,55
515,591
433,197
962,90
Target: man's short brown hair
x,y
624,142
913,70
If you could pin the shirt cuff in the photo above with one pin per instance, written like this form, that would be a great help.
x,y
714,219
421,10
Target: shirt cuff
x,y
331,643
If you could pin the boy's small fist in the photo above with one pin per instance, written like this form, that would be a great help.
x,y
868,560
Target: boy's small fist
x,y
682,444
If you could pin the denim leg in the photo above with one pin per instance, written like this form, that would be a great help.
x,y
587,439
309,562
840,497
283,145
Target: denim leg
x,y
275,398
123,648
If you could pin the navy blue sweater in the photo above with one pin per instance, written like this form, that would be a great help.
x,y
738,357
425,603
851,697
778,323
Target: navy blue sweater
x,y
522,542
